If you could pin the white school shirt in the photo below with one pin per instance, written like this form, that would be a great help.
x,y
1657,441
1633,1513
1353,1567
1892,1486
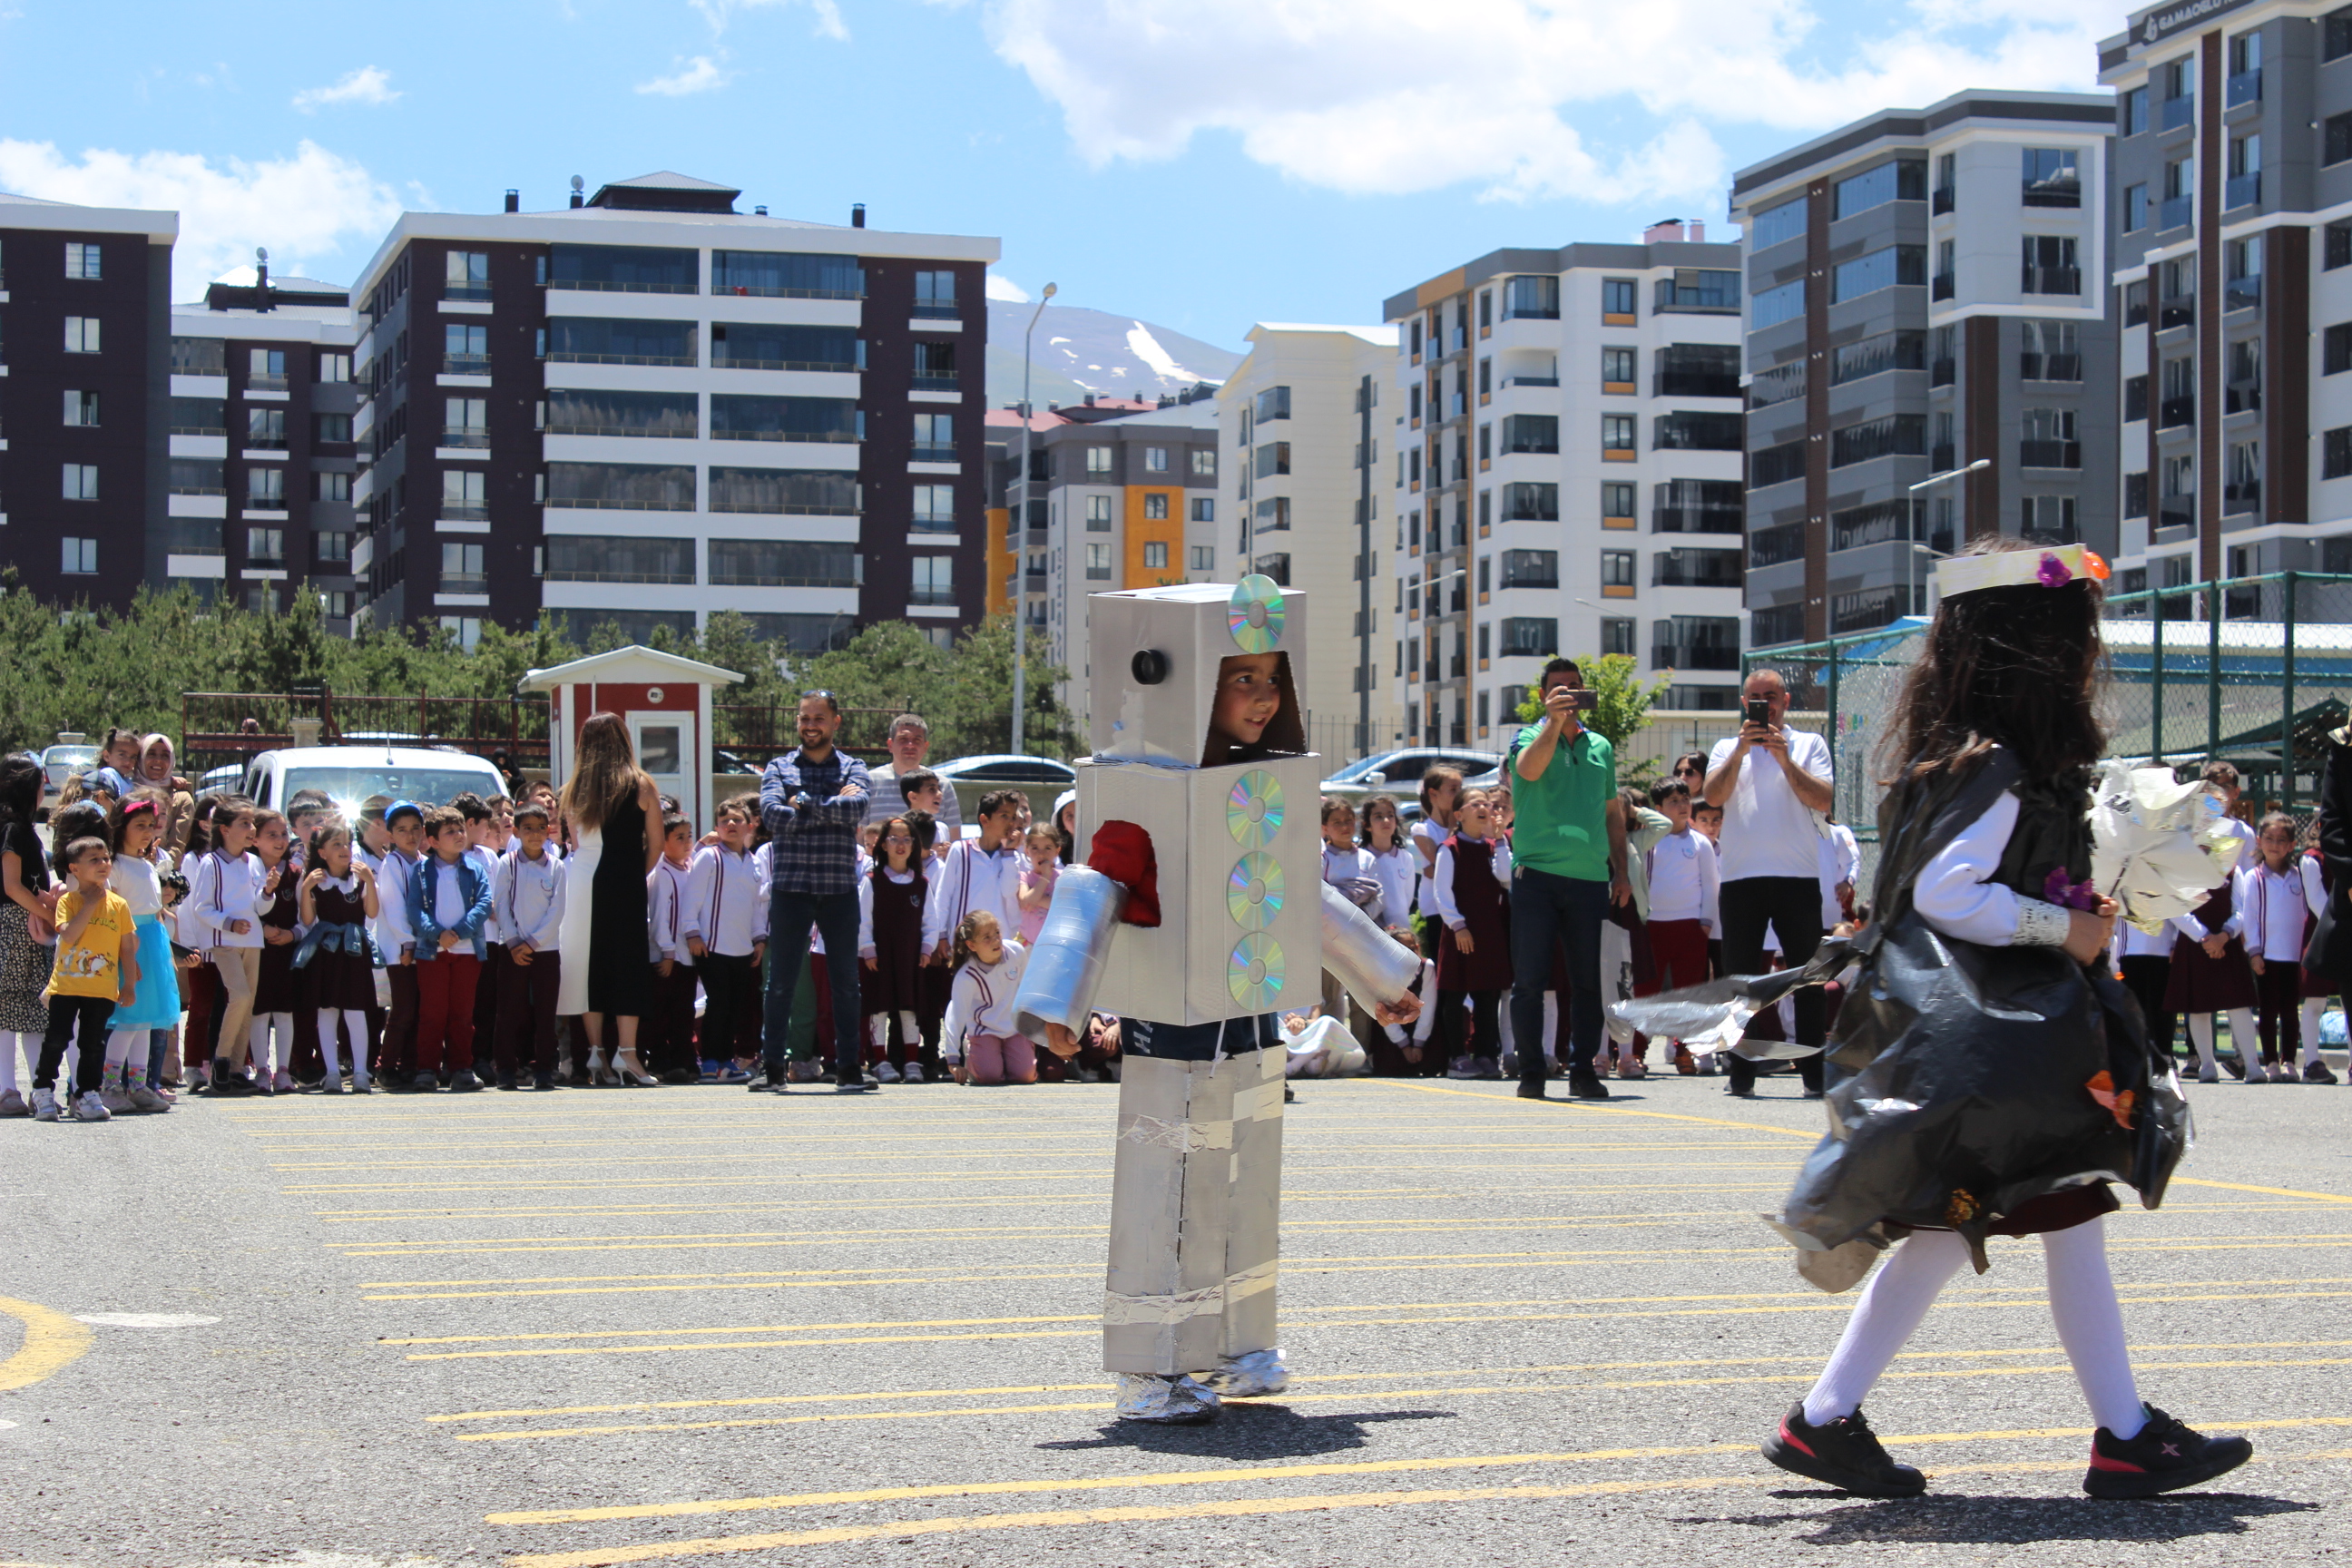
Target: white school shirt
x,y
664,914
221,890
1840,858
1425,831
139,884
981,1000
2276,908
529,898
486,861
1441,886
1341,867
972,878
1766,830
1417,1032
1683,880
723,906
394,932
1397,872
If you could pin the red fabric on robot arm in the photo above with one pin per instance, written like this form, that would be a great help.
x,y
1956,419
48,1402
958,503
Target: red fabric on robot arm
x,y
1122,851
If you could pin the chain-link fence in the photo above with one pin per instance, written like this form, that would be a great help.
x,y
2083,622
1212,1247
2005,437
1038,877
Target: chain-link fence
x,y
2258,685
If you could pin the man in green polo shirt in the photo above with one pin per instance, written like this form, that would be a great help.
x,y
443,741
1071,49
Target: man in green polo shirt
x,y
1568,866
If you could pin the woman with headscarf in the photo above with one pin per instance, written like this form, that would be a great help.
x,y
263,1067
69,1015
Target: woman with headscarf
x,y
157,765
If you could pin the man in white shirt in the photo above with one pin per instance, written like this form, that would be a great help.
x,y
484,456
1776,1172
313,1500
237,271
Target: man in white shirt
x,y
909,741
1772,783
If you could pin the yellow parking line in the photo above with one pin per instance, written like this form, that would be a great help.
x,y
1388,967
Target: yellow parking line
x,y
52,1342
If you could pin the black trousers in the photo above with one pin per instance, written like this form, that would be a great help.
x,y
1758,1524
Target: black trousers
x,y
91,1014
525,1031
731,990
2144,975
1792,908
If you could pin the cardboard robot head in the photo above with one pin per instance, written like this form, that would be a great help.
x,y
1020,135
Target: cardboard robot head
x,y
1156,654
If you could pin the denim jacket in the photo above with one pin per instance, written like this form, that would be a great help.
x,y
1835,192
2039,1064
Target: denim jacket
x,y
472,886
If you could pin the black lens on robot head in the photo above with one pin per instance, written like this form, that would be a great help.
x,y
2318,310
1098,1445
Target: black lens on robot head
x,y
1149,665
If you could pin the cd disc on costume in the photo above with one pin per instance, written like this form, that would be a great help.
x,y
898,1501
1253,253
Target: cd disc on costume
x,y
1253,891
1254,971
1256,613
1253,809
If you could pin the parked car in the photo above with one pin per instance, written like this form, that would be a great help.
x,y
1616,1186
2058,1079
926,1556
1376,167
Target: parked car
x,y
350,774
1400,771
1008,772
62,761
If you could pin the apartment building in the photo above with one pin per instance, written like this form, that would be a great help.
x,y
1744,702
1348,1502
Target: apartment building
x,y
2233,270
85,339
262,457
1558,405
1304,420
647,406
1926,292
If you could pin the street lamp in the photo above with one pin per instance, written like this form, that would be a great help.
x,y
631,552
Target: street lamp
x,y
1911,587
1019,531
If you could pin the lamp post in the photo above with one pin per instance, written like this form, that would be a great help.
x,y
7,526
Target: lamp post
x,y
1019,538
1912,587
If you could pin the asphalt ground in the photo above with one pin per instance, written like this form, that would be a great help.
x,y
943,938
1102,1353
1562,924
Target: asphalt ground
x,y
694,1325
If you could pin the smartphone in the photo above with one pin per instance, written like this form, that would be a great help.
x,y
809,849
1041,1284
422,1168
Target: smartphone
x,y
1758,710
1586,698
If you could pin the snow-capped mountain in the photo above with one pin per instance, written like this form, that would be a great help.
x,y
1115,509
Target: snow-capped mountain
x,y
1081,351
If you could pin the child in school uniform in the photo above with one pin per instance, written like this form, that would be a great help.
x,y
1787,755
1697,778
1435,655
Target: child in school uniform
x,y
893,964
1474,959
1392,861
273,992
448,905
2317,984
1405,1051
223,911
665,1035
530,897
983,873
725,929
395,942
485,842
980,1034
337,956
1042,845
1683,882
137,825
2281,898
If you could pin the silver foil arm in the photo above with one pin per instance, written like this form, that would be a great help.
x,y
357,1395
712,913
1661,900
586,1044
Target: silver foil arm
x,y
1373,965
1066,964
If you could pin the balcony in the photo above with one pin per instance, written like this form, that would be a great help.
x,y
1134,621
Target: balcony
x,y
2242,191
1940,459
464,583
475,512
1512,381
1772,546
937,311
2174,212
2241,293
2049,454
258,382
2246,497
928,595
931,525
1694,384
473,437
1941,287
2175,512
2135,305
2176,411
478,293
2243,397
1941,372
259,443
2050,367
928,452
2246,86
2051,280
472,364
1942,201
1697,519
2176,311
2175,112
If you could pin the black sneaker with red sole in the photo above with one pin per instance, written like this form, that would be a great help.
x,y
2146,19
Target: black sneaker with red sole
x,y
2164,1458
1844,1453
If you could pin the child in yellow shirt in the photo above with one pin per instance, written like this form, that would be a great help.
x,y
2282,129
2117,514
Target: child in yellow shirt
x,y
97,968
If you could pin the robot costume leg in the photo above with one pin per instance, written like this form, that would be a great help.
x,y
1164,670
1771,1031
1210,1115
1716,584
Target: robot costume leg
x,y
1163,1300
1251,1363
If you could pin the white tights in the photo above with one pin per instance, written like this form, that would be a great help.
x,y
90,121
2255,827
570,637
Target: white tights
x,y
8,1038
2314,1009
354,1030
2243,1033
264,1065
2082,1304
126,1050
909,1031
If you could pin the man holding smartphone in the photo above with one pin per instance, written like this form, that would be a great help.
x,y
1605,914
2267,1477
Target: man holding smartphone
x,y
1770,782
1568,854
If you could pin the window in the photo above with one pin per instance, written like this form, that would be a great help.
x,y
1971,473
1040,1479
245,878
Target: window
x,y
1695,432
1896,434
1528,637
265,489
330,428
1695,642
333,547
1778,384
466,631
462,494
1205,508
1902,181
1275,566
466,422
1617,570
746,346
935,437
1702,290
1274,458
81,408
80,481
1155,507
81,334
1529,568
2132,116
465,350
1203,557
935,295
787,275
2336,453
1537,297
2244,186
198,416
81,557
2135,495
1695,568
1698,506
1530,502
1204,462
1770,307
1774,226
1097,562
594,558
466,275
1527,433
2047,439
2052,350
266,546
2052,518
331,487
195,477
1099,459
1616,499
624,268
2241,486
1274,403
2336,140
1155,556
2336,246
1617,366
2135,398
1098,515
1775,465
2050,178
1772,624
81,260
590,340
1617,298
1273,514
1873,356
1155,460
934,363
934,579
934,509
1617,433
2336,349
2336,42
797,491
334,367
2049,267
265,430
2135,209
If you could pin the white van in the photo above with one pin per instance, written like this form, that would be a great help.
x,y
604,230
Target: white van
x,y
350,774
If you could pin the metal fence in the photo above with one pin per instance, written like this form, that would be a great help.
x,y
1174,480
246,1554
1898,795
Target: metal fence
x,y
217,728
2253,671
757,732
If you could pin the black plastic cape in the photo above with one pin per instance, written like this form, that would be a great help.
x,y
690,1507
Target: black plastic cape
x,y
1971,1074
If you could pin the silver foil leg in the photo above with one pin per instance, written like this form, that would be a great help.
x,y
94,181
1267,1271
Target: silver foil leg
x,y
1251,1362
1170,1401
1171,1176
1373,965
1065,963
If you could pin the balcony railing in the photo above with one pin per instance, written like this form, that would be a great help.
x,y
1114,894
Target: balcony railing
x,y
2175,412
2247,496
1943,200
266,383
2246,86
2174,212
475,437
2175,112
2049,454
933,310
473,512
1942,287
2242,191
2243,397
2053,280
942,595
470,364
2136,308
2175,513
926,452
2175,310
1697,519
464,583
933,525
477,292
2241,293
265,443
1694,384
2050,367
570,356
1772,546
1692,656
1511,381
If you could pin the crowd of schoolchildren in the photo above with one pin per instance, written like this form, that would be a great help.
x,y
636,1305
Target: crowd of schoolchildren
x,y
161,944
1442,886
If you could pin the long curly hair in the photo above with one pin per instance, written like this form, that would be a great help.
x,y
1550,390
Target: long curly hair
x,y
2020,666
604,772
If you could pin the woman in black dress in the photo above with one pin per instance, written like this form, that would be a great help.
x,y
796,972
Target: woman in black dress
x,y
609,801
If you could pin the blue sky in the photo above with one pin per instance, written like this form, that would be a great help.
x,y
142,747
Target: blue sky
x,y
1200,163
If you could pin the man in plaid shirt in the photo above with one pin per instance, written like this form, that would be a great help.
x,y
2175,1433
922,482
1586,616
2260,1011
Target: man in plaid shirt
x,y
811,801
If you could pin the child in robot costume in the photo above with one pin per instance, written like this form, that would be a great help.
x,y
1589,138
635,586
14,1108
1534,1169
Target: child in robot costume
x,y
1198,913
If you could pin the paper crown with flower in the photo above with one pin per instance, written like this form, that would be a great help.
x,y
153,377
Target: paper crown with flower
x,y
2052,567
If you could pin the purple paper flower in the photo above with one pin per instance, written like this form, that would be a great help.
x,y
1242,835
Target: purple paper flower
x,y
2068,894
2053,572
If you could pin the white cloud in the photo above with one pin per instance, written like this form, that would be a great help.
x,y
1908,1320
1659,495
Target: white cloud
x,y
369,85
700,74
1526,99
1004,289
303,207
826,14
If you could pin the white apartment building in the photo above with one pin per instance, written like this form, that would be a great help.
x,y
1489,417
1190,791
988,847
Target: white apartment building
x,y
1304,421
1556,407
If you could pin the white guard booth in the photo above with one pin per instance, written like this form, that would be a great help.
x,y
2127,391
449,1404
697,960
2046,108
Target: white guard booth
x,y
663,698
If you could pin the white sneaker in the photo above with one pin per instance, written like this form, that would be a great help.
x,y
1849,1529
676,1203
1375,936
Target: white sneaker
x,y
282,1084
116,1101
45,1105
913,1073
883,1072
141,1098
91,1107
2210,1075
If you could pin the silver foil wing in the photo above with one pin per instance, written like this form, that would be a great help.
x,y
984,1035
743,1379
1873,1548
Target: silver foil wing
x,y
1714,1017
1374,966
1065,963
